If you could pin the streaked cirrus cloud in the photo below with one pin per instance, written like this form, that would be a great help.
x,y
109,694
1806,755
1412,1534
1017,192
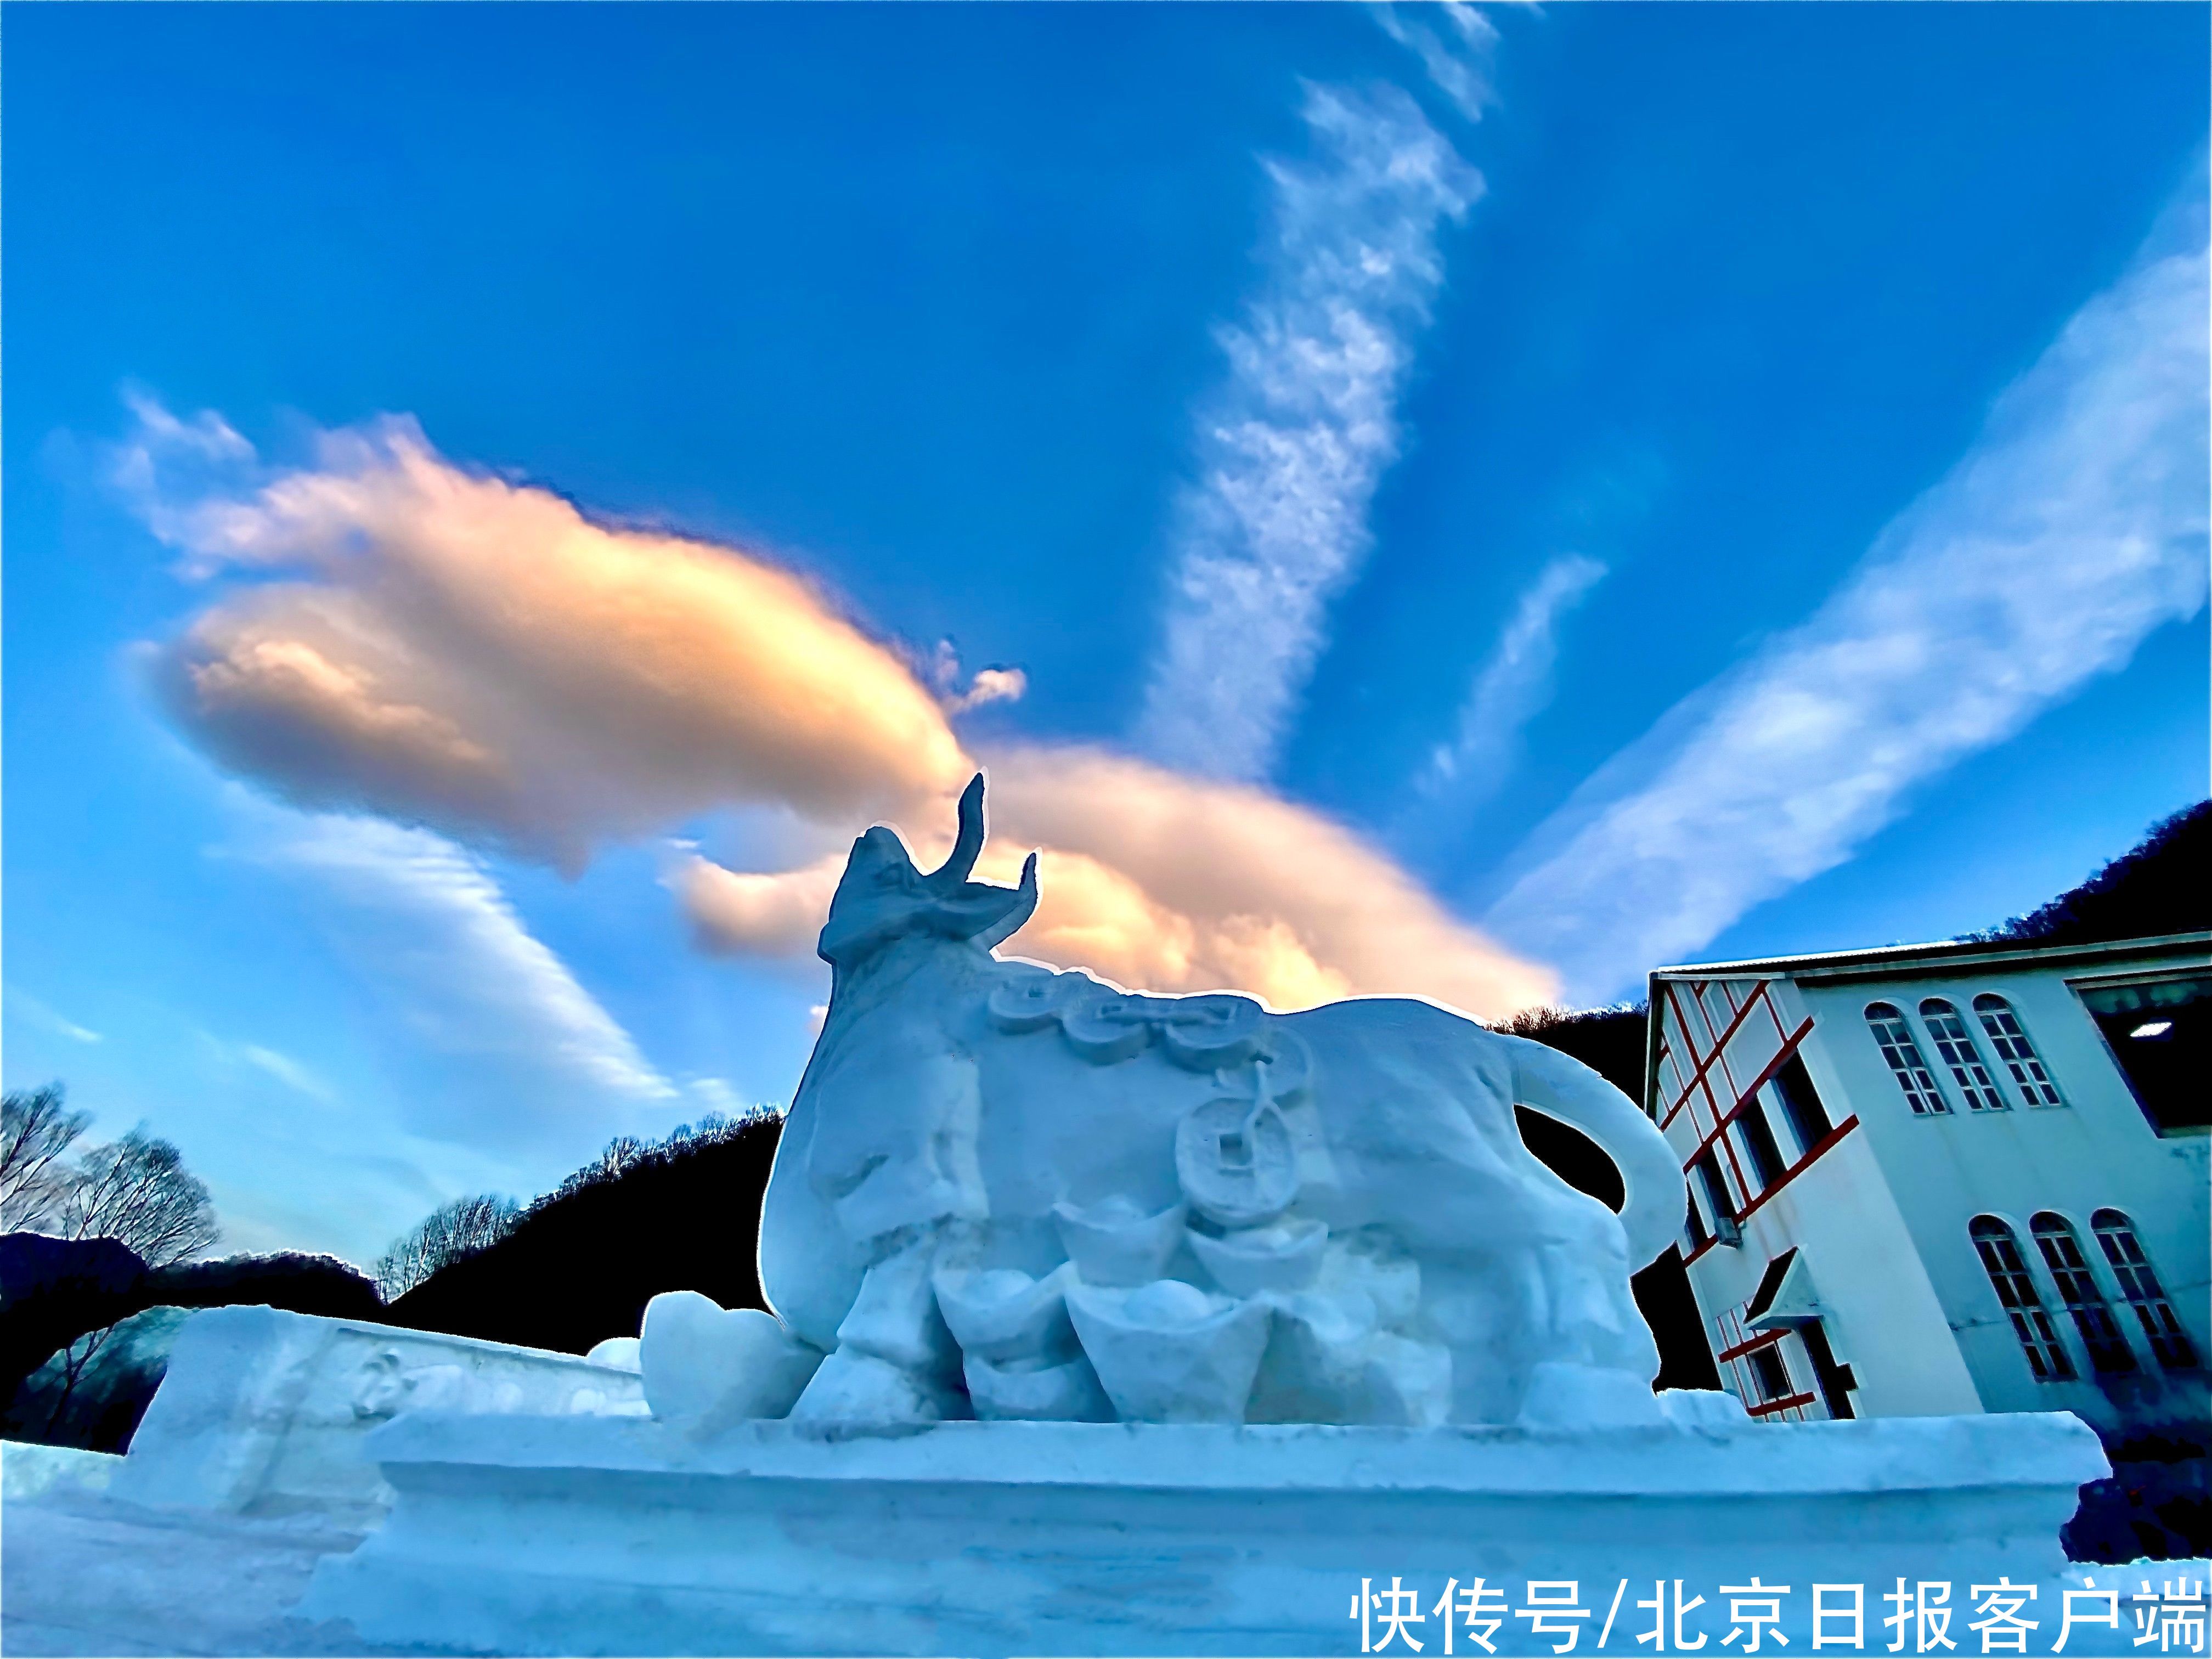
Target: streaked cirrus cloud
x,y
461,968
1458,57
2074,526
1515,684
1291,446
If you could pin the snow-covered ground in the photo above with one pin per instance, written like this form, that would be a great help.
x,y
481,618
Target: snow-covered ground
x,y
83,1573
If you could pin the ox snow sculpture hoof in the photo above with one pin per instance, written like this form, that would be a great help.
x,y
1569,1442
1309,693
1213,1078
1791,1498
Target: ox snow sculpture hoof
x,y
705,1366
861,1387
1006,1192
1703,1408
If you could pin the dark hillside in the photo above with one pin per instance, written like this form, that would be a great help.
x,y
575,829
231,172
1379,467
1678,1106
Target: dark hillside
x,y
54,1291
2163,886
580,1263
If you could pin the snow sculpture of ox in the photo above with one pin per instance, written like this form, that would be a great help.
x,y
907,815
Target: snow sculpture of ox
x,y
1010,1193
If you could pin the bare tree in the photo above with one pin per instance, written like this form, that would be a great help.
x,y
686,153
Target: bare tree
x,y
137,1189
36,1127
441,1238
76,1359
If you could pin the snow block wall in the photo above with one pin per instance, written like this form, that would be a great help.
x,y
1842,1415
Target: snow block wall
x,y
264,1411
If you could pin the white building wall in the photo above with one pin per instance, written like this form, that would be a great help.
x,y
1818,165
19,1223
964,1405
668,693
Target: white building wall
x,y
1884,1318
2097,1150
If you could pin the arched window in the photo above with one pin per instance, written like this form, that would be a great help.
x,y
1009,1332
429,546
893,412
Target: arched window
x,y
2018,1053
2117,1234
2015,1288
2079,1291
1956,1044
1903,1054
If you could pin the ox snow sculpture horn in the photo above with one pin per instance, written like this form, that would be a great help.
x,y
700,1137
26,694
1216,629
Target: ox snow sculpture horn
x,y
1010,1193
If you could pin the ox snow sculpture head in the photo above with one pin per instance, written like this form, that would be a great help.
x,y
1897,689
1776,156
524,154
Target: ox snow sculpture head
x,y
882,897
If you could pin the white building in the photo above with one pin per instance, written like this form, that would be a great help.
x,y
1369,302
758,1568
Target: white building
x,y
1948,1178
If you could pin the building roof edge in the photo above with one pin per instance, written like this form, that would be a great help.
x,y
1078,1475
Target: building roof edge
x,y
1907,958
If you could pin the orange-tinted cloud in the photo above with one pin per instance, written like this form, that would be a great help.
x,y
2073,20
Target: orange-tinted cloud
x,y
1169,882
479,656
474,655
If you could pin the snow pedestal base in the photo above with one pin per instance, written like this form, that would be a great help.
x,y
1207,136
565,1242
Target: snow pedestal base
x,y
529,1535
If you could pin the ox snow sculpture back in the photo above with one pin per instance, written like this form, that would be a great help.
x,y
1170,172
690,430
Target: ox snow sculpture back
x,y
1008,1192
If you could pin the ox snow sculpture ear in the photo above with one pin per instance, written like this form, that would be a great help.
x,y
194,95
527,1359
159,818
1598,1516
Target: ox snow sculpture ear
x,y
1020,910
976,910
952,874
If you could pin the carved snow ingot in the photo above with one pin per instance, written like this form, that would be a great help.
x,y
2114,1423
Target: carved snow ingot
x,y
1114,1244
1257,1260
1168,1352
1002,1314
1066,1393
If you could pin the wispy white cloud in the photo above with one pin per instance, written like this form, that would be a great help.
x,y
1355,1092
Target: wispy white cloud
x,y
41,1014
1458,57
433,932
989,685
287,1070
1291,448
996,684
2075,525
1512,687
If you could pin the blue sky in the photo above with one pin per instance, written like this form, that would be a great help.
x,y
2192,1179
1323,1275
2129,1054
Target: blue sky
x,y
1471,503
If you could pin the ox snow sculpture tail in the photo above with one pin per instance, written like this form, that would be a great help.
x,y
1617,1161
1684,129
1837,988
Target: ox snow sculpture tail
x,y
1010,1193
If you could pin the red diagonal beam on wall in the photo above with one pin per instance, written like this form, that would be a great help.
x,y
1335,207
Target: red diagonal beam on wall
x,y
1819,1149
1743,1101
1705,1061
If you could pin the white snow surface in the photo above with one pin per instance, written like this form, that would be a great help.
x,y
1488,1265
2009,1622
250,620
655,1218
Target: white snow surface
x,y
607,1535
610,1535
83,1573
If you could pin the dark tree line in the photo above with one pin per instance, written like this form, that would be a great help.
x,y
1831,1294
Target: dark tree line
x,y
61,1299
579,1264
2163,886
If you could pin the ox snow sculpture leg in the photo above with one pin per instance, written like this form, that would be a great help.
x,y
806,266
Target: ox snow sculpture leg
x,y
878,1166
892,1155
895,1361
1517,1268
